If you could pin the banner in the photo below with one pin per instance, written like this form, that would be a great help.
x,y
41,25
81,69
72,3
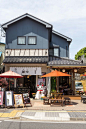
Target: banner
x,y
26,70
1,97
9,101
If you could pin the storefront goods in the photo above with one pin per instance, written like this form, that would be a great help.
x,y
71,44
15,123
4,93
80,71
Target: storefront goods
x,y
1,97
9,100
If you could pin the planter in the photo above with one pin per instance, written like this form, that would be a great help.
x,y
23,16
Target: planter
x,y
33,94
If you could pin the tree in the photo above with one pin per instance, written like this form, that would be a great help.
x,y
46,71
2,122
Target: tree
x,y
3,83
80,53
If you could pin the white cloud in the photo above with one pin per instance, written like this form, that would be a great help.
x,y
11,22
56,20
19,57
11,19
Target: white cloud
x,y
67,16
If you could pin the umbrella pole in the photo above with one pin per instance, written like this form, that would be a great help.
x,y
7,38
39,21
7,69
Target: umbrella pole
x,y
9,85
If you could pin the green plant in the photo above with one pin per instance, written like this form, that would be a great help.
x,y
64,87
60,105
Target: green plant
x,y
53,83
80,53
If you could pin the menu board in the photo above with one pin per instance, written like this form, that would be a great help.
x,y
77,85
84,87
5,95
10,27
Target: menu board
x,y
26,98
9,101
18,99
1,97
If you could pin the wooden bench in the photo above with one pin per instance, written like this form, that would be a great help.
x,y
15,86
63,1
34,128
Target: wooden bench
x,y
54,101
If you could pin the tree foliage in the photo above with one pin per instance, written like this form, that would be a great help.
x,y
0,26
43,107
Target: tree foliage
x,y
3,82
80,53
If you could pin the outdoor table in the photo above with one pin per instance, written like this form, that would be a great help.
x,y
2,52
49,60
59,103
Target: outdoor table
x,y
46,100
83,97
55,100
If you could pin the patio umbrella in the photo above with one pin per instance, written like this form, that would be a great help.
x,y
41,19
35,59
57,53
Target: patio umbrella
x,y
10,74
55,73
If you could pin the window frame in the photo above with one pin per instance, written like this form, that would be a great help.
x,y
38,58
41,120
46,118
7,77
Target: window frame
x,y
66,51
58,51
35,40
20,37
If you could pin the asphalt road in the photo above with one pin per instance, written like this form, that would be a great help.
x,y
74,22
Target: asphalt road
x,y
40,125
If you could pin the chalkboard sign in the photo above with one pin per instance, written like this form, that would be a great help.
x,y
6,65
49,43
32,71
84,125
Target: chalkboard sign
x,y
26,98
18,100
1,97
9,100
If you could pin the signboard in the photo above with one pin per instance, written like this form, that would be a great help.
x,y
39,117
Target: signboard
x,y
9,101
1,97
26,98
18,100
26,70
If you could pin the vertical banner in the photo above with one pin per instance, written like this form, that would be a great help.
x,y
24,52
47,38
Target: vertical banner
x,y
9,100
1,97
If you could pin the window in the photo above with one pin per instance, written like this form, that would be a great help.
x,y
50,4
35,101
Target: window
x,y
56,51
32,40
66,52
21,40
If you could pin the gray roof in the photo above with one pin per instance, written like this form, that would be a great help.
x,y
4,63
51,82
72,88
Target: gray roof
x,y
26,59
61,35
5,25
64,62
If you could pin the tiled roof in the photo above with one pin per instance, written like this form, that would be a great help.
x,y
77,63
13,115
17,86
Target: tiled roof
x,y
26,59
64,61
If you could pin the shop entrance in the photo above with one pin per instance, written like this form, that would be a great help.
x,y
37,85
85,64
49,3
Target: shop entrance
x,y
30,82
26,84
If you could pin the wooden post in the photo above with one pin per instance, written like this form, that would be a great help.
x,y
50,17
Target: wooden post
x,y
73,82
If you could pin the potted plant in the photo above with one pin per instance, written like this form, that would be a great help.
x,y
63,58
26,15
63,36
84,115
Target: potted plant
x,y
33,94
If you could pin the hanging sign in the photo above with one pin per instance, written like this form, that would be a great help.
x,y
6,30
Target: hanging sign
x,y
26,70
9,100
1,97
18,100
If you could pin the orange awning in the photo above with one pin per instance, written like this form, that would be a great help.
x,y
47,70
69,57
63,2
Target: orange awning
x,y
56,73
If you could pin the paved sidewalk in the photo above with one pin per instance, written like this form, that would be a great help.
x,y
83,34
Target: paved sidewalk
x,y
55,115
44,115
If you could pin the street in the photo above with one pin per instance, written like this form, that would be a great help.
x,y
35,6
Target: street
x,y
40,125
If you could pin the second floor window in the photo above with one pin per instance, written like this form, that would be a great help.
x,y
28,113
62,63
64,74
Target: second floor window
x,y
56,51
21,40
32,40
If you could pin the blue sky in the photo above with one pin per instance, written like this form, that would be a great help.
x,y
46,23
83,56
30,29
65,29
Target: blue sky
x,y
67,17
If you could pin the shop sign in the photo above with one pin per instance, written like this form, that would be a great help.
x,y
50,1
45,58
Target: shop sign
x,y
9,101
1,97
26,98
26,70
18,100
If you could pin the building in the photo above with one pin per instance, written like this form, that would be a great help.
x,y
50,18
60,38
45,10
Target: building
x,y
2,50
32,48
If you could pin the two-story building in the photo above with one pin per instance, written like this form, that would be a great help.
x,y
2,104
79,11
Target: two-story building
x,y
32,48
2,51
